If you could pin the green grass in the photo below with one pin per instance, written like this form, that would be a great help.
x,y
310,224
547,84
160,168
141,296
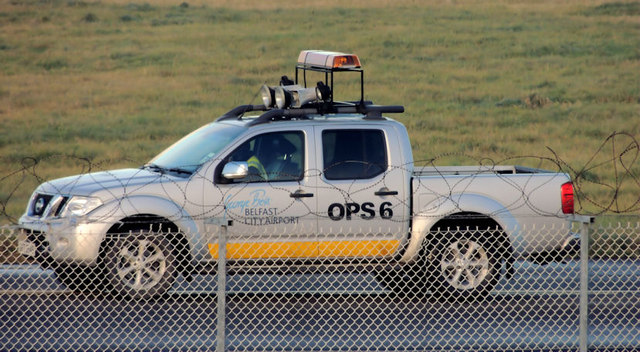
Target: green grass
x,y
116,82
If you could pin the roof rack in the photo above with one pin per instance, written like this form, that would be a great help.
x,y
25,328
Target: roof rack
x,y
371,112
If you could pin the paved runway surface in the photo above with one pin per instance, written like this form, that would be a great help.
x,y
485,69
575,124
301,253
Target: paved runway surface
x,y
537,310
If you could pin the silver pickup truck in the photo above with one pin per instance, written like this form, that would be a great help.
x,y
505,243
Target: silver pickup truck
x,y
308,183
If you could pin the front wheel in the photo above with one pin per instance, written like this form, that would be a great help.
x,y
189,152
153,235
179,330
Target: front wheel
x,y
466,267
140,266
79,278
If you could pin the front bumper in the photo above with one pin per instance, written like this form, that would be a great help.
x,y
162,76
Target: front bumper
x,y
33,245
61,240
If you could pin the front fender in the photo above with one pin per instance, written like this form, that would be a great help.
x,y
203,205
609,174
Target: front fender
x,y
431,213
114,211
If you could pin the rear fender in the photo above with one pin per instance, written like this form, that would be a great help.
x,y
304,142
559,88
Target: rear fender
x,y
426,218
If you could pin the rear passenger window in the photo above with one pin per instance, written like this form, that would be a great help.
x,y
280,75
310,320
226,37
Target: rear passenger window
x,y
353,154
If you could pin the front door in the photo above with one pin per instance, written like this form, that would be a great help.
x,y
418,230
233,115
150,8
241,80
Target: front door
x,y
273,208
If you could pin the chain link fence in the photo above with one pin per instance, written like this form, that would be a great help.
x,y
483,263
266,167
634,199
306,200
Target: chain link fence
x,y
470,288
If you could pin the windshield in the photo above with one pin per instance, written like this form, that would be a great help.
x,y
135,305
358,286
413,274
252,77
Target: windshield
x,y
196,148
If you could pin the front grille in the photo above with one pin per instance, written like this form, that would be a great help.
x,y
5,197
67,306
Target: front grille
x,y
61,205
39,204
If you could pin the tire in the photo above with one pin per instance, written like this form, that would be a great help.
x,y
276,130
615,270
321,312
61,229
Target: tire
x,y
140,265
406,280
467,265
80,278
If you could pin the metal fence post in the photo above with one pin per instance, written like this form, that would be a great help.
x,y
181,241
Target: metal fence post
x,y
584,281
221,325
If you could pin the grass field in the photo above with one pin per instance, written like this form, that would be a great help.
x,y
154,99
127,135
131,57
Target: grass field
x,y
106,84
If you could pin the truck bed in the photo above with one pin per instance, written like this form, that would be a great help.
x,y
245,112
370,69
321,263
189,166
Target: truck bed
x,y
475,169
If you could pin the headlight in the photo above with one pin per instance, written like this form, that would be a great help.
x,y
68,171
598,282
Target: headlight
x,y
79,206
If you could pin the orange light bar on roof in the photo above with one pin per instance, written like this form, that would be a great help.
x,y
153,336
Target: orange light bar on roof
x,y
328,59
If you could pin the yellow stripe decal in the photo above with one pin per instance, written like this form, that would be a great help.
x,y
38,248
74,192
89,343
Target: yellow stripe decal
x,y
266,250
328,249
377,248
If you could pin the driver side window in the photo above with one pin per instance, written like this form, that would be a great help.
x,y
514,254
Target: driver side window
x,y
277,156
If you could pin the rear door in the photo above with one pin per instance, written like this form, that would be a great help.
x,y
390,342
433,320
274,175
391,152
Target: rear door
x,y
362,210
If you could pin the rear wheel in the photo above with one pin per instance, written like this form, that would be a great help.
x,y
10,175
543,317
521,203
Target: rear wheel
x,y
406,280
140,265
466,265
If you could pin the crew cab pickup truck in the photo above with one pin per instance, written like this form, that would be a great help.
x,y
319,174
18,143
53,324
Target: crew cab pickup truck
x,y
300,182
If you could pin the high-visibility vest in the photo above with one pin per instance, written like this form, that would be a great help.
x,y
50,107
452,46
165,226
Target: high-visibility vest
x,y
254,162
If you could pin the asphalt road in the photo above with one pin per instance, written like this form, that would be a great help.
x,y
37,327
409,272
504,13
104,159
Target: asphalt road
x,y
537,310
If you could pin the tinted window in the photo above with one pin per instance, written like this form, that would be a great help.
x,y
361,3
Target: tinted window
x,y
272,157
353,154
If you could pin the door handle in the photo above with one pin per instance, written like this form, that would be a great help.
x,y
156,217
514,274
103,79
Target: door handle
x,y
300,194
384,191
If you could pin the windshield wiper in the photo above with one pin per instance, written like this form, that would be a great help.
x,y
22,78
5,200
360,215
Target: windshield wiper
x,y
153,167
179,170
163,170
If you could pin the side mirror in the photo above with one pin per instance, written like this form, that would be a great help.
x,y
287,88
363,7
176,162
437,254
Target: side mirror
x,y
235,169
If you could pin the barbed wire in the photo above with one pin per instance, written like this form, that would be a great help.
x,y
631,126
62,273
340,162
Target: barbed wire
x,y
622,160
616,159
